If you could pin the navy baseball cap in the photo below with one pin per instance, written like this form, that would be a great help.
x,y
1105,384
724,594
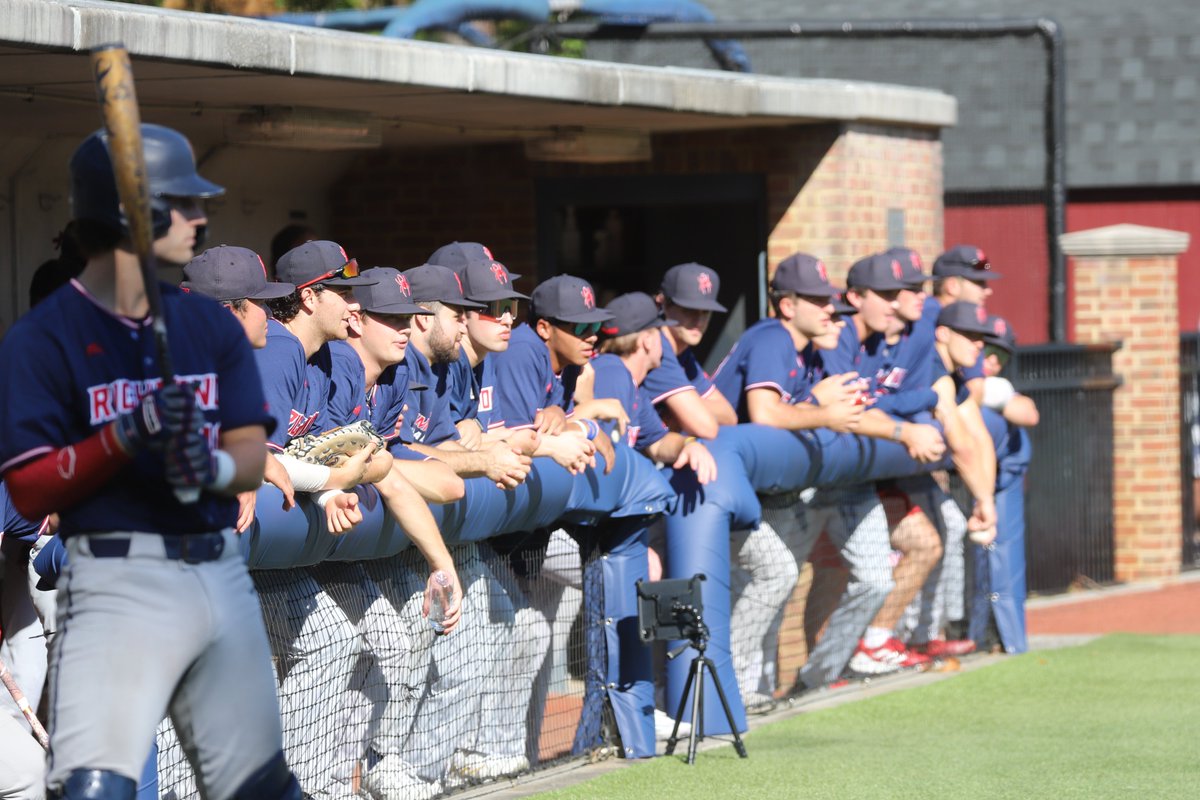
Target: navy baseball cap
x,y
881,272
964,261
634,312
390,294
485,280
231,273
567,299
802,274
319,261
840,306
434,283
457,255
912,273
693,286
965,317
1001,335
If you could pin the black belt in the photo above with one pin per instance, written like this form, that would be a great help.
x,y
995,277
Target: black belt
x,y
193,548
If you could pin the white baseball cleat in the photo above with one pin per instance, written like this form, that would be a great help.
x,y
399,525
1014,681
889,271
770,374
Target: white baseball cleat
x,y
472,766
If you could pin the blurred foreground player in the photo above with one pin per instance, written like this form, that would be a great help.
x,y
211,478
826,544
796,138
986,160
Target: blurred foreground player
x,y
157,605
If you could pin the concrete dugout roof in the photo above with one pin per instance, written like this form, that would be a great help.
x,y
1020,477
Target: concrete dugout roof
x,y
202,69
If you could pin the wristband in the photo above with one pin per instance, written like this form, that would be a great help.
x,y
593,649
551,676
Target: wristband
x,y
224,470
898,431
688,441
588,428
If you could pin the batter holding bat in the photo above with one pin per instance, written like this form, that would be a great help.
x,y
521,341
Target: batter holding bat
x,y
156,611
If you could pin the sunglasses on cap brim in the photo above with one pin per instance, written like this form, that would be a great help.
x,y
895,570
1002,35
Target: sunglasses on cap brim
x,y
347,270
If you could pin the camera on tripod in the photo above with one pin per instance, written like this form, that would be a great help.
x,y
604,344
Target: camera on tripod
x,y
674,609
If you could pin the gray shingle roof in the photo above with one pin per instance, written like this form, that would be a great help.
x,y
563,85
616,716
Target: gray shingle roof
x,y
1133,82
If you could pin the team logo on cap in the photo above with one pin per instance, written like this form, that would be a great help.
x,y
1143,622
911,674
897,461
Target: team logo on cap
x,y
897,271
980,314
402,282
498,272
999,327
704,283
915,257
980,256
589,297
822,271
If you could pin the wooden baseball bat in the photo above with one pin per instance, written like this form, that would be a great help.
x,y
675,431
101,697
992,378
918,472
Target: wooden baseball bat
x,y
39,732
123,121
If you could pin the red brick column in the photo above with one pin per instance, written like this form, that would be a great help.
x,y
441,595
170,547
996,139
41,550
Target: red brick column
x,y
1125,290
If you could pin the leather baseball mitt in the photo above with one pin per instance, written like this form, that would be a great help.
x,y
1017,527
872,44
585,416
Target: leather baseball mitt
x,y
332,448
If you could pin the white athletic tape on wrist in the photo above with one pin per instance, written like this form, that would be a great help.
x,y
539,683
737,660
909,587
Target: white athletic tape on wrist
x,y
225,471
324,497
305,477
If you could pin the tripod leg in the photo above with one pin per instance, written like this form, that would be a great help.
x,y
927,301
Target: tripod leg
x,y
694,736
674,738
737,739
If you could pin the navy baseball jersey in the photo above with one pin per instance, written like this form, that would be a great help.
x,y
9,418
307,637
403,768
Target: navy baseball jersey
x,y
382,406
765,357
15,525
472,392
876,361
70,367
424,414
614,380
296,388
695,373
525,379
668,378
348,392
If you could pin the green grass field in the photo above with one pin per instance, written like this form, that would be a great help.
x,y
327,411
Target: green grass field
x,y
1117,718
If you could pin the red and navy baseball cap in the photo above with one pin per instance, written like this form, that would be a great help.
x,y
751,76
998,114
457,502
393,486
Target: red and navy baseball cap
x,y
390,294
567,299
912,273
1002,334
433,283
457,255
965,317
485,280
881,272
802,274
319,261
964,261
634,312
231,273
692,285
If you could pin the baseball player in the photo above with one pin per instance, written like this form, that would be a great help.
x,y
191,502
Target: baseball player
x,y
771,377
156,596
688,296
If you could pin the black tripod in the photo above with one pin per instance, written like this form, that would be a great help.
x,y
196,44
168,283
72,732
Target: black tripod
x,y
697,633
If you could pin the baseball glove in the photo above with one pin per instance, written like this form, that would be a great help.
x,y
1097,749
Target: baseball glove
x,y
333,448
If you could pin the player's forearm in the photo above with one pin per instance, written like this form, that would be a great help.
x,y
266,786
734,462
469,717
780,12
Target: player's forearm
x,y
418,523
432,479
61,478
305,477
692,414
778,414
465,463
1022,411
965,452
719,407
667,449
973,420
248,447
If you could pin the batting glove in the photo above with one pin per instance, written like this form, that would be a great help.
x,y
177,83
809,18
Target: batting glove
x,y
190,461
161,415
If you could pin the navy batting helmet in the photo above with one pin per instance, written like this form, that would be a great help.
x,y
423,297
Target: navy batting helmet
x,y
170,170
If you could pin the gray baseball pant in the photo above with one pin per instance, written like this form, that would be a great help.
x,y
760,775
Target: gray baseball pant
x,y
942,597
159,636
855,521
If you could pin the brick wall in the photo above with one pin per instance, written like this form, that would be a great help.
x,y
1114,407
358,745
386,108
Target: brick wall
x,y
828,192
1125,290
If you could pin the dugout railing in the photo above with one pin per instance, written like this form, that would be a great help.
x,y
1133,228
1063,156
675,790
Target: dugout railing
x,y
1069,519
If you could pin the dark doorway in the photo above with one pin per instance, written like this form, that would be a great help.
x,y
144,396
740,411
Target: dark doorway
x,y
622,234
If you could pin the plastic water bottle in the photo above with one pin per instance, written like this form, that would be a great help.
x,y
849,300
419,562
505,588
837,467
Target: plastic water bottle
x,y
441,599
